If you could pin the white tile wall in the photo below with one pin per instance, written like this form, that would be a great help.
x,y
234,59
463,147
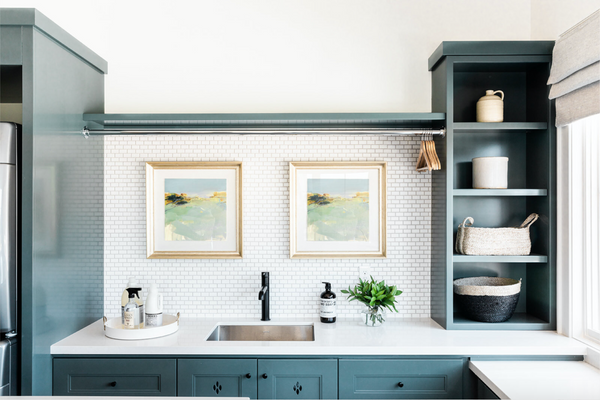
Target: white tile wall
x,y
229,288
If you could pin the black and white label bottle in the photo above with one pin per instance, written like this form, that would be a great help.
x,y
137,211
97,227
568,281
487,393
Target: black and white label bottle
x,y
328,313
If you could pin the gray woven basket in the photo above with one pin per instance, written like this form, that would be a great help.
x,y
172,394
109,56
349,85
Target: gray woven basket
x,y
494,241
487,299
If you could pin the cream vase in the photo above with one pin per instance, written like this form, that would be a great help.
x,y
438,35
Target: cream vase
x,y
490,108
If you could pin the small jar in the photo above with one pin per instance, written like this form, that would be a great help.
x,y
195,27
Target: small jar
x,y
490,108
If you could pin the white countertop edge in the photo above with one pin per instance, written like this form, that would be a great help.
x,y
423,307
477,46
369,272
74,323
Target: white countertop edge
x,y
249,350
345,338
532,380
491,385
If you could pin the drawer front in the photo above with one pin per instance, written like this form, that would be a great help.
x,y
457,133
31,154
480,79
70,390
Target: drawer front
x,y
114,377
397,379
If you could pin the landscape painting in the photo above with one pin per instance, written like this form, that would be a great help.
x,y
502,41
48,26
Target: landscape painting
x,y
337,210
195,209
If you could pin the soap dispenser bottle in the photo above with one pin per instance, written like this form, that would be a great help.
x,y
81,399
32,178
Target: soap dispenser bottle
x,y
328,305
154,308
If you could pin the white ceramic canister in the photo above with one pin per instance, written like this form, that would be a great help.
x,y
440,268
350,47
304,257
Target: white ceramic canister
x,y
490,173
490,108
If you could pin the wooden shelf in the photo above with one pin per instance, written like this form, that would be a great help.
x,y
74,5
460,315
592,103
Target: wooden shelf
x,y
500,192
498,126
519,321
532,258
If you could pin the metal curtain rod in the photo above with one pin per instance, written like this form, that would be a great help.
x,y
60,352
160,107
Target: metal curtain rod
x,y
86,132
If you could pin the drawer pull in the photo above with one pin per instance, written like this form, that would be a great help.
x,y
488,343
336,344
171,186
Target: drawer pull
x,y
265,376
400,384
248,376
113,383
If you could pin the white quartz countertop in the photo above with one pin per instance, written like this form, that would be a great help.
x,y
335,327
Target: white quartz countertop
x,y
531,380
394,338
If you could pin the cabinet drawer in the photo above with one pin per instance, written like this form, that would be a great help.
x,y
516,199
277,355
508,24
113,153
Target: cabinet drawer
x,y
397,379
114,377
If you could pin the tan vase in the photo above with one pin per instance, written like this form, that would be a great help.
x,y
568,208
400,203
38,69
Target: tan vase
x,y
490,108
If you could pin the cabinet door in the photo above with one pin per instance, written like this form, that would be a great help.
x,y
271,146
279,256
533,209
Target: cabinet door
x,y
401,379
217,378
297,379
114,377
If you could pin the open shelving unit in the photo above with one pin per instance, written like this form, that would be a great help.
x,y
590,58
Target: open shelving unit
x,y
461,73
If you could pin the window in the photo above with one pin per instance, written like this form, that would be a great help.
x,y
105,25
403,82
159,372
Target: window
x,y
584,227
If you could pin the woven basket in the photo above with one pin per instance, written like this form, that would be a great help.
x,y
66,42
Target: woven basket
x,y
494,241
487,299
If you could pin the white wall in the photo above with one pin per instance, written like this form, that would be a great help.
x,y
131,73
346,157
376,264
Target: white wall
x,y
288,55
551,18
278,56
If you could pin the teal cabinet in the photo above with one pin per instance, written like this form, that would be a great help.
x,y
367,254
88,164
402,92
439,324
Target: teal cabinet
x,y
461,72
217,377
114,377
55,79
401,379
297,379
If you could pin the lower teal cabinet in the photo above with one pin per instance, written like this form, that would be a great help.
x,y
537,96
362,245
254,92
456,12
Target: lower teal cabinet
x,y
261,378
114,377
217,378
297,379
401,379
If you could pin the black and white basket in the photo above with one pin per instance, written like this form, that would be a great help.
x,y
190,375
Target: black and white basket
x,y
487,299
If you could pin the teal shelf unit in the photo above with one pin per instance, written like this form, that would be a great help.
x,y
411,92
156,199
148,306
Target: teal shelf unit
x,y
166,123
461,73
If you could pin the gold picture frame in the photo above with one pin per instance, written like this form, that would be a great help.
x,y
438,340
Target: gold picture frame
x,y
194,223
350,223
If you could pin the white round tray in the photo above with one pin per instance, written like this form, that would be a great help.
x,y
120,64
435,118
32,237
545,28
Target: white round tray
x,y
114,329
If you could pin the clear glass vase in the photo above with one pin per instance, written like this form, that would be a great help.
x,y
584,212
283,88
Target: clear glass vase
x,y
372,316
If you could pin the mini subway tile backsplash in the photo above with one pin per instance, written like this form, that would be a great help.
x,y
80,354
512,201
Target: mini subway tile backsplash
x,y
229,288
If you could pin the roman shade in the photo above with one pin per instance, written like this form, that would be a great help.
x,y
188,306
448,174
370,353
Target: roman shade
x,y
575,73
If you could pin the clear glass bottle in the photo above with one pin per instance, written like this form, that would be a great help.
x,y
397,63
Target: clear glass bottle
x,y
131,314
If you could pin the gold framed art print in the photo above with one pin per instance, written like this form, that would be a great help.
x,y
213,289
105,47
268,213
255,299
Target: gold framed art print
x,y
194,209
338,209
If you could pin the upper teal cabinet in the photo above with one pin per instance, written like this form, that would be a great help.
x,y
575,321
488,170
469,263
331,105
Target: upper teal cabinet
x,y
48,80
461,74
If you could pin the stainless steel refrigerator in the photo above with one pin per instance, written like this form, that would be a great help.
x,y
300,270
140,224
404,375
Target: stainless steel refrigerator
x,y
9,353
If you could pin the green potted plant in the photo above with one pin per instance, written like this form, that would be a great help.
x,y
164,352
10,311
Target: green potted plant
x,y
377,296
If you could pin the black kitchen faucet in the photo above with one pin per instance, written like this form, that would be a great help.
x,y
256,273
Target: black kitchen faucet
x,y
263,295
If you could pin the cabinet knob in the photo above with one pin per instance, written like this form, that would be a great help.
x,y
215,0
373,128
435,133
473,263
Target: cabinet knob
x,y
113,383
248,376
265,376
400,384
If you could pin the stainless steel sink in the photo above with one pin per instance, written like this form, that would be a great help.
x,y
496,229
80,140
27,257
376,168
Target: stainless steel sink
x,y
268,333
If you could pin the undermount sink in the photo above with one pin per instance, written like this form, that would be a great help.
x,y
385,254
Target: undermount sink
x,y
269,333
